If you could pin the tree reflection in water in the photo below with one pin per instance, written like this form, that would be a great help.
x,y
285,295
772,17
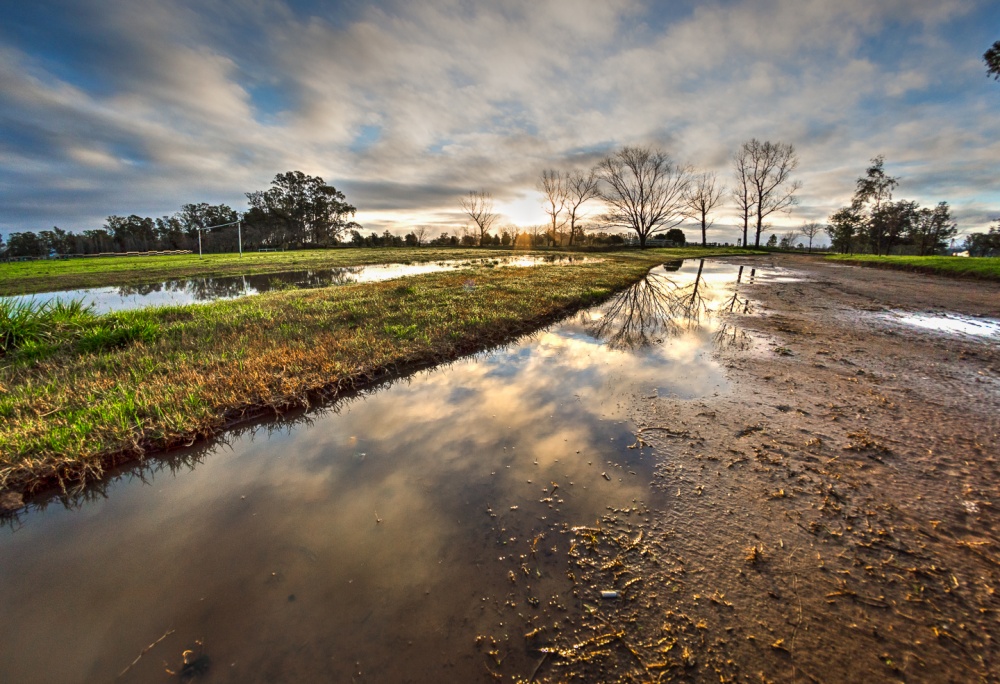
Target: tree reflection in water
x,y
661,306
229,287
729,335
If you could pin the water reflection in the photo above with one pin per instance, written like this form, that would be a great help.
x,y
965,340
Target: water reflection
x,y
947,323
729,334
198,290
660,307
361,540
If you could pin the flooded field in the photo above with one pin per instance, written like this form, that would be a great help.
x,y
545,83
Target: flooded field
x,y
199,290
376,539
732,471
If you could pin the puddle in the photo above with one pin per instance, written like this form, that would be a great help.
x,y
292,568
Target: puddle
x,y
948,323
200,290
371,540
776,274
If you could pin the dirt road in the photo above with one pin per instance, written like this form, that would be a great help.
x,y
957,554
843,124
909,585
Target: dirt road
x,y
834,518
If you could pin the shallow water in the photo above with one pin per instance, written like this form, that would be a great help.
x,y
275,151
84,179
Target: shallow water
x,y
370,540
948,323
200,290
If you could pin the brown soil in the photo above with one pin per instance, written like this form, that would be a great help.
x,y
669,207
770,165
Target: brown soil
x,y
834,518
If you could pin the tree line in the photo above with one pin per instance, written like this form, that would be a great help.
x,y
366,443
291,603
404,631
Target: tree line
x,y
529,237
873,222
297,211
642,191
646,192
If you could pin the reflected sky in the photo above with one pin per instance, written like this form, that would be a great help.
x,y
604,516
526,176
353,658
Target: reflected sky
x,y
182,291
362,540
947,323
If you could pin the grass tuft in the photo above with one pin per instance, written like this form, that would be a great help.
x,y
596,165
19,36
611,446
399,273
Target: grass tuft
x,y
31,326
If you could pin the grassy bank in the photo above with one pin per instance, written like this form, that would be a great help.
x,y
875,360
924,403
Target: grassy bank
x,y
983,268
85,391
48,276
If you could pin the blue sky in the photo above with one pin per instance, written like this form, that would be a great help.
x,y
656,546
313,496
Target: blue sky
x,y
139,106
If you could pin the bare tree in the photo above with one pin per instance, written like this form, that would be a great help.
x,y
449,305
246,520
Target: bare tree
x,y
644,190
742,192
580,188
770,166
420,232
701,198
811,230
789,238
479,207
535,231
552,185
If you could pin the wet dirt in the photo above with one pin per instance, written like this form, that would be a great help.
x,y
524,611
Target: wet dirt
x,y
831,518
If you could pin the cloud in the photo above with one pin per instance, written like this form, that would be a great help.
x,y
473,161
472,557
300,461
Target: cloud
x,y
139,107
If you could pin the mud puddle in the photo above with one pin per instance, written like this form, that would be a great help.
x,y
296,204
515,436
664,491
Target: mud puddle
x,y
200,290
946,323
376,539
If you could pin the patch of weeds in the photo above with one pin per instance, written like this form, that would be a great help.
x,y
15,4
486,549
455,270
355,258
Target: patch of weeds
x,y
7,405
33,327
402,332
114,335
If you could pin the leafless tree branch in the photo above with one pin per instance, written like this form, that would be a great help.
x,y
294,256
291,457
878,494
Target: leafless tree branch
x,y
478,204
701,198
770,166
580,188
644,191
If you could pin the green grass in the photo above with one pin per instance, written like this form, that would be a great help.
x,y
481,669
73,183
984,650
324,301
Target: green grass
x,y
31,331
985,268
30,324
80,391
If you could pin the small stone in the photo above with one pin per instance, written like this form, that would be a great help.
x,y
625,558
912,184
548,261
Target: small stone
x,y
11,501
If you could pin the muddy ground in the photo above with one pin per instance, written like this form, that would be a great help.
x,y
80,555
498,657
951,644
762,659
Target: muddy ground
x,y
833,518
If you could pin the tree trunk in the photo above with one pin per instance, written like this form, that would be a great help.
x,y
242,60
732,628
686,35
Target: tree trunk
x,y
704,231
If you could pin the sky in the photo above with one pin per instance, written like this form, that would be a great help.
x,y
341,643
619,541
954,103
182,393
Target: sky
x,y
140,106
